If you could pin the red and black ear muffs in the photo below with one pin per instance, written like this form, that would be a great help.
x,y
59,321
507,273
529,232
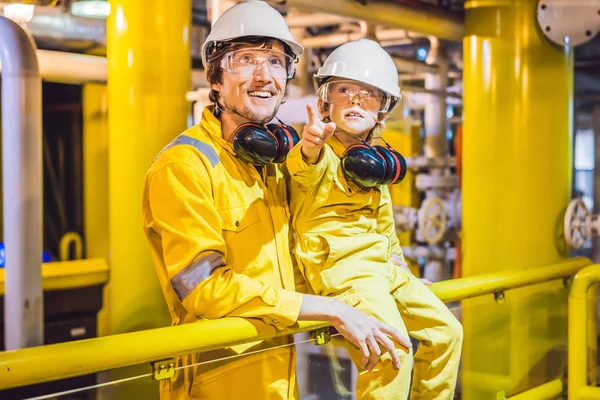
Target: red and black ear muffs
x,y
259,145
369,166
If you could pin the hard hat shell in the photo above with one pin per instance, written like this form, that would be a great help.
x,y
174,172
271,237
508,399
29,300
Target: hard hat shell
x,y
364,61
252,18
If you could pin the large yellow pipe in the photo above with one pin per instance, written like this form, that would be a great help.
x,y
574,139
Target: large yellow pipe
x,y
518,98
148,73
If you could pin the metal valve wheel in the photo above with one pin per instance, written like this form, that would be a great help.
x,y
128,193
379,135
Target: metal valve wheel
x,y
578,224
432,220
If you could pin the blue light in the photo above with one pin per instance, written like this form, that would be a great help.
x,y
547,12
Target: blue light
x,y
422,54
449,111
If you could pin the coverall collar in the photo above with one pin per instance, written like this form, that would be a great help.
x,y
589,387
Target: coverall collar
x,y
338,148
212,126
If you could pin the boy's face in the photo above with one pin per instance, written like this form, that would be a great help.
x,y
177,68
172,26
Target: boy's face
x,y
354,106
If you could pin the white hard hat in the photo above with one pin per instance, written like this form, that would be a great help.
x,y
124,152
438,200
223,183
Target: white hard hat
x,y
364,61
252,18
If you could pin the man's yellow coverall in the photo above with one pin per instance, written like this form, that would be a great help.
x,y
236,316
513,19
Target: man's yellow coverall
x,y
219,237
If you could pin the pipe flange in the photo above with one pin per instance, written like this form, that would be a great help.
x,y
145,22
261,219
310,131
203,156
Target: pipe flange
x,y
577,224
556,20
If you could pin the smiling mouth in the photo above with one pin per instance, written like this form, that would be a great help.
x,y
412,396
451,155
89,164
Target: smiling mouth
x,y
261,94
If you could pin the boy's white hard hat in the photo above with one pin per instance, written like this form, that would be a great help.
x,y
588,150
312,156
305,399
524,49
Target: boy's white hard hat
x,y
364,61
252,18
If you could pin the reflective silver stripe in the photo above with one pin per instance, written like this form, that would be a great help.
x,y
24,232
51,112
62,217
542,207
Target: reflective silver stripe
x,y
207,150
191,276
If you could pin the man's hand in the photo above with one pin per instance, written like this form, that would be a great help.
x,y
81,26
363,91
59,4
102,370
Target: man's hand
x,y
314,136
402,264
363,331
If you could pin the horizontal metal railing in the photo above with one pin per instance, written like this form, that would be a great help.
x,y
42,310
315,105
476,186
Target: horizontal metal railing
x,y
57,361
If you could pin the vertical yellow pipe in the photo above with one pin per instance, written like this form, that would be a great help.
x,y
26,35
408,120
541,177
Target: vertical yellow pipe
x,y
95,183
404,136
95,169
149,72
518,98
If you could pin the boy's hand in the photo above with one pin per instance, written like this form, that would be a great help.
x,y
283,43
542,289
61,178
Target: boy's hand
x,y
402,264
314,136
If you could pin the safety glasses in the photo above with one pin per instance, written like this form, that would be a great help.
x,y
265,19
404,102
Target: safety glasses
x,y
245,62
342,92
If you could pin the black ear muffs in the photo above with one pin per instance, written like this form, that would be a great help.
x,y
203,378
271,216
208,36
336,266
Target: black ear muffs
x,y
260,145
254,144
287,138
364,165
395,170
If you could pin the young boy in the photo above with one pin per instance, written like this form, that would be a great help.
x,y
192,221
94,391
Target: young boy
x,y
346,243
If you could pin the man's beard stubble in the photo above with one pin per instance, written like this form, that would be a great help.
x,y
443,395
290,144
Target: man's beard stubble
x,y
251,115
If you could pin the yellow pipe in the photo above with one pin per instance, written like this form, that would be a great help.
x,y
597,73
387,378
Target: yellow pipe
x,y
547,391
149,74
95,169
588,393
578,330
464,288
516,183
29,366
428,20
95,184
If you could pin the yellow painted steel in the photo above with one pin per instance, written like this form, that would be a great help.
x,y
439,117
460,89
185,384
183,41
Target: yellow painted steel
x,y
393,14
548,391
65,243
580,317
404,136
70,274
28,366
149,73
465,288
95,169
588,393
518,100
95,183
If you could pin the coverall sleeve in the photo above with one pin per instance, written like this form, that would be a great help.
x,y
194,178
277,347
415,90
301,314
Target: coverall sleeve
x,y
182,207
385,221
307,175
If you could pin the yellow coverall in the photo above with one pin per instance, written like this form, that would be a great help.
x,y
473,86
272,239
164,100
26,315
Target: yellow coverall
x,y
220,240
344,238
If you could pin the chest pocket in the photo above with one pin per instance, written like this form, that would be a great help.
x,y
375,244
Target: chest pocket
x,y
241,232
344,185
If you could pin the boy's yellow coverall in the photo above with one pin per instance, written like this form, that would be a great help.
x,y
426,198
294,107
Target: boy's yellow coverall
x,y
219,235
344,238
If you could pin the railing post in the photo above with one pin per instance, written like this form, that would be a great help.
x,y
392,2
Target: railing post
x,y
578,329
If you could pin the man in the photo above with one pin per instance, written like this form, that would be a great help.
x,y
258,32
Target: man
x,y
218,225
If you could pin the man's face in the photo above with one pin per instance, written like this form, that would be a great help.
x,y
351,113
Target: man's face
x,y
254,93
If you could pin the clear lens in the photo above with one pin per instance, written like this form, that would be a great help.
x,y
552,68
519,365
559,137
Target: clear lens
x,y
343,92
245,62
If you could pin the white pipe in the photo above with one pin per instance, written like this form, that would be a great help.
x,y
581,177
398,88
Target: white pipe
x,y
307,20
61,67
337,39
413,66
22,187
332,40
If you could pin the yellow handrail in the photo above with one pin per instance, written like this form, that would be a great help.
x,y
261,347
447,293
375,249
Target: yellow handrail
x,y
29,366
578,334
